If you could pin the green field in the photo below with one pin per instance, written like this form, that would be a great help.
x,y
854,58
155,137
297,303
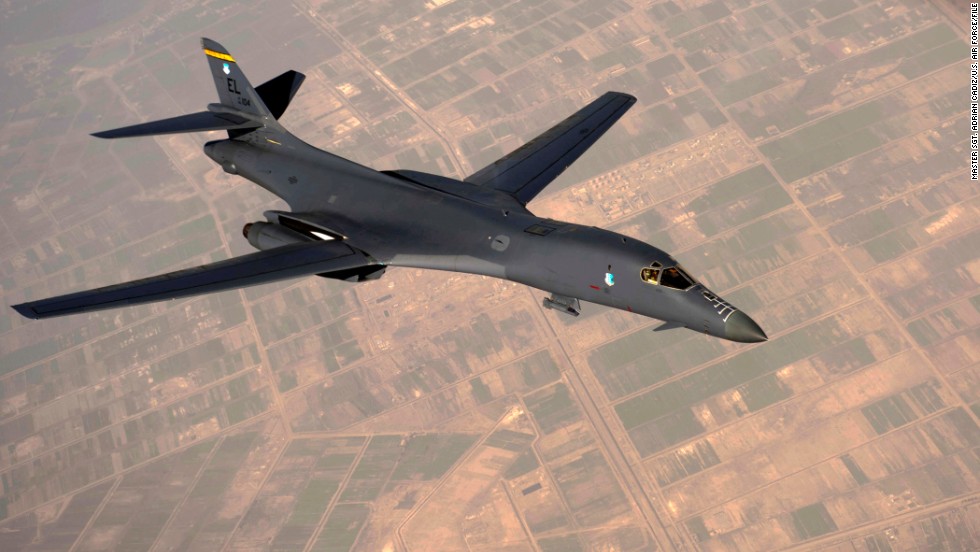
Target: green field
x,y
657,435
622,351
762,392
732,188
567,543
847,134
480,391
553,408
523,464
430,455
745,196
372,470
590,489
704,383
509,440
888,413
685,462
221,469
312,502
828,130
812,521
856,472
342,527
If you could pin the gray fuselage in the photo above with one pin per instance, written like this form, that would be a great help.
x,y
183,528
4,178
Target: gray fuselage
x,y
408,219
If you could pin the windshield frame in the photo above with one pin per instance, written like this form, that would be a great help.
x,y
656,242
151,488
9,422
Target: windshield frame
x,y
653,271
682,274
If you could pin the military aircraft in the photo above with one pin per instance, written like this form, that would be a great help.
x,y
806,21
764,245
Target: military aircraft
x,y
351,222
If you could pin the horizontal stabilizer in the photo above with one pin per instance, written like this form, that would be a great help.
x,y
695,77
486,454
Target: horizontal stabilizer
x,y
194,122
281,263
278,92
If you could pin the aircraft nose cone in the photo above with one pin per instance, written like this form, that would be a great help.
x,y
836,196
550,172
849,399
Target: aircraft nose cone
x,y
743,329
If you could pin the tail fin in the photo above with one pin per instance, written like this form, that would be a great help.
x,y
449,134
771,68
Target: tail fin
x,y
234,90
242,108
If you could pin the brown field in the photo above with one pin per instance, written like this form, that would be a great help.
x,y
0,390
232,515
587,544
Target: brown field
x,y
805,160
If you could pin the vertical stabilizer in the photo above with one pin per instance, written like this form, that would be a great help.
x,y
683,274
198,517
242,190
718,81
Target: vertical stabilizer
x,y
234,89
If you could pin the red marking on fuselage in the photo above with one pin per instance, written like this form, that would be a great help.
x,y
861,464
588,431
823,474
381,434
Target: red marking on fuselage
x,y
597,288
629,308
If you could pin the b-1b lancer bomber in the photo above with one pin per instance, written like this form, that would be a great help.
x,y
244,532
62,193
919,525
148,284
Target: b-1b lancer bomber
x,y
351,222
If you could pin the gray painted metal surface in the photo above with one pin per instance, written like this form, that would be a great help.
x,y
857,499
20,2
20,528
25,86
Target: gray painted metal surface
x,y
351,222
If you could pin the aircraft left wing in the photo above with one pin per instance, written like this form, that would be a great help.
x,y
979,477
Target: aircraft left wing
x,y
526,171
281,263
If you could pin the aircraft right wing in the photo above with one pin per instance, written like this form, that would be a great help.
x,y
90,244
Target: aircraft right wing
x,y
526,171
326,258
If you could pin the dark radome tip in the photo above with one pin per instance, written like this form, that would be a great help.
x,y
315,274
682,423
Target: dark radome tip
x,y
739,327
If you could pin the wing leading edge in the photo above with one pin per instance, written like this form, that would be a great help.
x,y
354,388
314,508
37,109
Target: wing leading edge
x,y
526,171
281,263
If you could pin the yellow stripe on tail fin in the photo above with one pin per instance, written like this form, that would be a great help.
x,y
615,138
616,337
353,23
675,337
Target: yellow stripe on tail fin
x,y
234,90
219,55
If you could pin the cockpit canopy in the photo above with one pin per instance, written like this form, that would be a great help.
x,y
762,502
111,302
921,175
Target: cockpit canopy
x,y
673,277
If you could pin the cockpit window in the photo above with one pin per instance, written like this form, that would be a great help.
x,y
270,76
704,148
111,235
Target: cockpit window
x,y
651,274
675,277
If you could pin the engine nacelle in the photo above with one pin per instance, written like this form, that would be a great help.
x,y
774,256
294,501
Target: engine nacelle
x,y
265,235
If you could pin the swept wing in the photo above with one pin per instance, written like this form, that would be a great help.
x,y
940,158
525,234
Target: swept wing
x,y
524,172
281,263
